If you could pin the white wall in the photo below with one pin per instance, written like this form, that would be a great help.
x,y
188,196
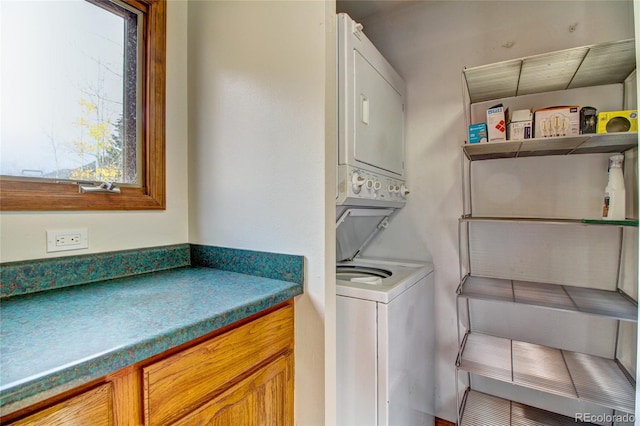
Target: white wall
x,y
429,43
259,76
23,234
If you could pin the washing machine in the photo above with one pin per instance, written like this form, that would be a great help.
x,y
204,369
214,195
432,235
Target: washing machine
x,y
385,330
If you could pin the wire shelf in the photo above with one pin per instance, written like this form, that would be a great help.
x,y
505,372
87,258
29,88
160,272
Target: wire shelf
x,y
565,145
551,220
481,409
611,304
606,63
574,375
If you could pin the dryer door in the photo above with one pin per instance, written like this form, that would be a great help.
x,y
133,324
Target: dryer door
x,y
379,119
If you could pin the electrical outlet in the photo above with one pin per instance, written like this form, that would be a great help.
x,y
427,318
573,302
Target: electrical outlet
x,y
73,239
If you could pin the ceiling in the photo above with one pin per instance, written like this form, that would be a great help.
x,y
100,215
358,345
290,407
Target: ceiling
x,y
361,9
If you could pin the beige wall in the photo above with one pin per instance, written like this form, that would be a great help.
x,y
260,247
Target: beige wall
x,y
260,110
23,234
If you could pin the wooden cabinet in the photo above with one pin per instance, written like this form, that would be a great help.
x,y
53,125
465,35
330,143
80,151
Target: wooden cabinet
x,y
242,375
93,407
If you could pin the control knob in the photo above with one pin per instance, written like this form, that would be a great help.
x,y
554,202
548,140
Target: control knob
x,y
356,182
369,184
404,191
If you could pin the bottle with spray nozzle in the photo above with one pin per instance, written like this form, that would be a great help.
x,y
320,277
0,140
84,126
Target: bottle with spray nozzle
x,y
614,196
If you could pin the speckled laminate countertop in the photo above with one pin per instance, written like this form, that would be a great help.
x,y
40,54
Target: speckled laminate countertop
x,y
58,339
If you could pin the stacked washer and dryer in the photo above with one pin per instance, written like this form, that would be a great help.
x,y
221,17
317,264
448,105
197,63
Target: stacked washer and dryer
x,y
385,308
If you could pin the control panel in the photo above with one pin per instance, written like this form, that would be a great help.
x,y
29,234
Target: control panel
x,y
360,187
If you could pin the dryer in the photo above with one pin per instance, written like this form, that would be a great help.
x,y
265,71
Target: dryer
x,y
371,110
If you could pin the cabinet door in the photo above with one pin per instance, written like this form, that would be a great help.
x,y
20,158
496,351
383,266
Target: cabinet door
x,y
94,407
180,383
263,398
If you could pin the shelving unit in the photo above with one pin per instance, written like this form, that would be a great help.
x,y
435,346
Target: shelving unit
x,y
577,376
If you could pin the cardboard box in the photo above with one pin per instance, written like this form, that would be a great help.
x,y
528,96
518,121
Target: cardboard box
x,y
497,123
478,133
618,121
520,130
521,125
557,121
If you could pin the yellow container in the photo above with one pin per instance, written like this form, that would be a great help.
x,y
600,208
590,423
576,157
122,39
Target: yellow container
x,y
618,121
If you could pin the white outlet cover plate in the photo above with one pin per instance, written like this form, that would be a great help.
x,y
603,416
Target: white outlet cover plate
x,y
53,236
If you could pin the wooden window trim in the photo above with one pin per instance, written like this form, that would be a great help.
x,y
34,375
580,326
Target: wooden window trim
x,y
19,195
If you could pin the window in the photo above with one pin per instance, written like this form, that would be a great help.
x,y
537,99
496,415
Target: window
x,y
83,102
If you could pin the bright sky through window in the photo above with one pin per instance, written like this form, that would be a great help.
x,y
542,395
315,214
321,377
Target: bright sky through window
x,y
64,87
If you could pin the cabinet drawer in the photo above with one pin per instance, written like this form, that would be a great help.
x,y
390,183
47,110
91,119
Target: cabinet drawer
x,y
182,382
94,407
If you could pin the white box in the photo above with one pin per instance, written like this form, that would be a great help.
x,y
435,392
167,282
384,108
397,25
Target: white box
x,y
497,123
521,125
520,130
521,115
557,121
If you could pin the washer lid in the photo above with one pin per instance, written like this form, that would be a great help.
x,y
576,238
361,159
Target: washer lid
x,y
355,228
362,274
